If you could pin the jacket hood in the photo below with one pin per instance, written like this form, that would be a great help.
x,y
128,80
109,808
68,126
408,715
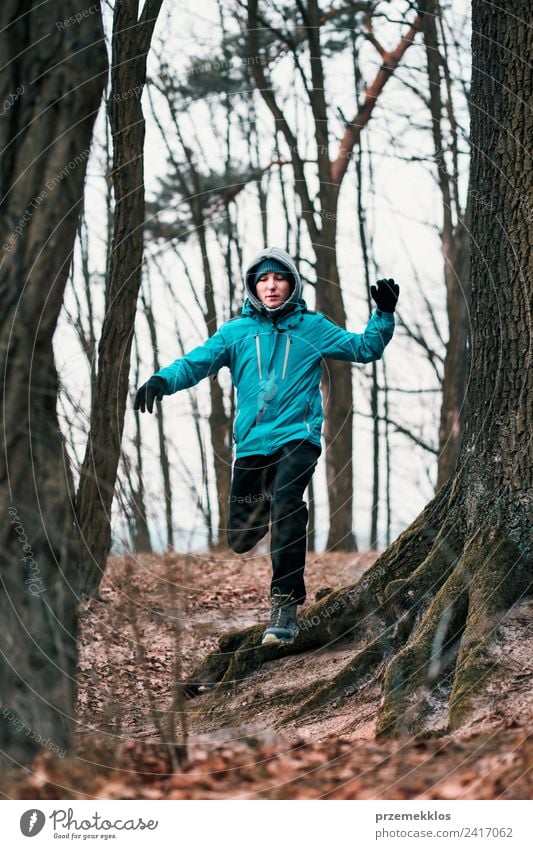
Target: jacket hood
x,y
283,257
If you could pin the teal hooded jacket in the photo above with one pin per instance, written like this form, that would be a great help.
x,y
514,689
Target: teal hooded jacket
x,y
275,358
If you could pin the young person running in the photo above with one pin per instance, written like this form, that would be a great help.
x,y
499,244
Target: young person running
x,y
274,350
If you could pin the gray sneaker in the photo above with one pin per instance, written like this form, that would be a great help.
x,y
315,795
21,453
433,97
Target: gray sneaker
x,y
283,627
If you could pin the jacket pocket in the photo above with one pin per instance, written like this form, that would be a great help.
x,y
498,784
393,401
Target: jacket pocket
x,y
240,434
312,414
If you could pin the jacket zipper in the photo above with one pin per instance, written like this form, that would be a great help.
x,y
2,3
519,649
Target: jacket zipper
x,y
305,417
258,351
234,423
287,346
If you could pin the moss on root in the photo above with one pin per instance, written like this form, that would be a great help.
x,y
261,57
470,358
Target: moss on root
x,y
399,561
358,672
214,665
434,570
498,577
455,631
415,669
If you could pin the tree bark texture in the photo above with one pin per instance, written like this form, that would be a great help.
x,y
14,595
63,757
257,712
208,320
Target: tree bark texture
x,y
219,425
54,73
130,45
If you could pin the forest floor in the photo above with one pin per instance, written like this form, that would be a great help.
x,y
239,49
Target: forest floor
x,y
160,615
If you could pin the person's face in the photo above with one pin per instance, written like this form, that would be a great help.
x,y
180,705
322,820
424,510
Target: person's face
x,y
272,289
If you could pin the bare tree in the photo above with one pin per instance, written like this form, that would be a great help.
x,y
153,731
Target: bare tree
x,y
141,534
132,35
163,452
191,186
455,240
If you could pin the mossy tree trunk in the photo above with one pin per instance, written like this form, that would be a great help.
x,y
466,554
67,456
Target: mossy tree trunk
x,y
427,610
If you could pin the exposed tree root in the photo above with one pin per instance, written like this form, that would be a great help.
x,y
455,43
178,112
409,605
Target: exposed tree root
x,y
240,652
404,600
415,669
454,632
339,615
427,578
361,670
427,609
498,577
412,547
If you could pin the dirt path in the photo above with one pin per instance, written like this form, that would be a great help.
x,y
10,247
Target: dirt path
x,y
215,594
127,664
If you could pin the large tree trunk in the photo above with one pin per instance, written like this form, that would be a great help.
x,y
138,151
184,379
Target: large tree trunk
x,y
53,78
131,42
426,613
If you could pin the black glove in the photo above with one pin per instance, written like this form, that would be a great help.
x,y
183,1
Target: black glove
x,y
148,392
385,295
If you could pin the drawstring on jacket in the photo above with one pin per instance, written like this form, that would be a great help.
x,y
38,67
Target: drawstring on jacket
x,y
287,346
258,351
285,358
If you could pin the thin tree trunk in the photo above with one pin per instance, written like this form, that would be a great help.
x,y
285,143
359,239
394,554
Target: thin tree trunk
x,y
86,336
455,375
218,420
374,388
163,452
55,78
131,42
456,251
338,409
141,534
338,431
219,423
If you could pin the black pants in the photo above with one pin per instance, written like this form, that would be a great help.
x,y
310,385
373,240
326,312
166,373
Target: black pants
x,y
271,487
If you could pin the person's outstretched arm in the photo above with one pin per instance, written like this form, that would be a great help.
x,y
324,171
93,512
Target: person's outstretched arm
x,y
340,344
184,372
